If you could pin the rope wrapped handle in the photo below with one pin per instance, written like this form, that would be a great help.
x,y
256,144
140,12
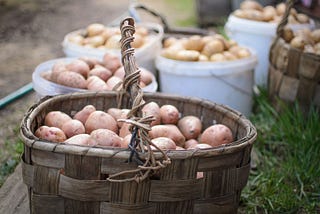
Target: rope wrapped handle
x,y
284,20
140,125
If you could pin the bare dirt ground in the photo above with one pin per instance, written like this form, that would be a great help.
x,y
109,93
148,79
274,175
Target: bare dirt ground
x,y
31,32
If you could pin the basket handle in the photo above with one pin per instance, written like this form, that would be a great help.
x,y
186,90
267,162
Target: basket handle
x,y
284,20
140,126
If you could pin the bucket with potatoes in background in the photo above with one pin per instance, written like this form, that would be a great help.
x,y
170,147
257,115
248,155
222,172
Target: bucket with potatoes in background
x,y
254,25
210,67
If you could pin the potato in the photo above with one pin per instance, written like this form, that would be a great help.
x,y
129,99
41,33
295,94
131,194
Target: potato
x,y
84,113
194,43
76,39
201,146
57,69
126,141
298,42
152,108
281,8
214,46
104,137
254,15
100,120
170,131
73,127
315,35
163,143
118,114
203,58
56,119
80,139
169,42
52,134
138,41
95,29
243,53
113,42
216,135
287,34
169,114
190,126
95,83
72,79
190,143
302,18
124,130
268,13
145,76
94,41
180,148
78,66
229,56
91,62
218,57
250,4
101,72
142,31
113,82
199,175
188,55
112,62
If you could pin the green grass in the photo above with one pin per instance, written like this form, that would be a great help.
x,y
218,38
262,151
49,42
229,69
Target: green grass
x,y
187,8
287,179
10,157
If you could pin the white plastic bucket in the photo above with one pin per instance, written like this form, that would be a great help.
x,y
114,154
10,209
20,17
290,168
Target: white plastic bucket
x,y
258,36
229,83
145,55
44,87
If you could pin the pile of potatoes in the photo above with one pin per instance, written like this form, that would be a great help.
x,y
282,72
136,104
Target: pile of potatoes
x,y
99,36
170,130
213,48
92,74
305,39
253,10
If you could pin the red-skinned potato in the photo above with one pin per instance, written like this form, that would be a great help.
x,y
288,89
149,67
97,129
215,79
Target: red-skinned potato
x,y
217,135
91,62
190,143
72,79
118,114
112,62
73,127
57,68
190,126
56,119
80,139
100,120
113,82
101,72
84,113
180,148
201,146
163,143
52,134
95,83
105,137
153,109
145,76
124,130
78,66
169,114
170,131
126,141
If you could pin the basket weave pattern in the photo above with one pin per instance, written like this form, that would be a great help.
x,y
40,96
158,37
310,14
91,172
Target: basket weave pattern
x,y
72,179
294,75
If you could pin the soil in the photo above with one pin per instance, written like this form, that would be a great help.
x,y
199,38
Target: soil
x,y
31,32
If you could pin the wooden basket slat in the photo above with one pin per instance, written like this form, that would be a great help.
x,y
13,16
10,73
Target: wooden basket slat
x,y
176,190
316,97
172,207
282,59
111,208
50,204
180,169
309,67
289,88
111,166
48,159
46,180
95,190
222,204
292,69
306,90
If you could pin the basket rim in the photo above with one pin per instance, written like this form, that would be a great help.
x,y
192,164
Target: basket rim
x,y
30,140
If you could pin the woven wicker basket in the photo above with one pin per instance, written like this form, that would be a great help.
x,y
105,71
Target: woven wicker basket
x,y
77,179
72,179
294,75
